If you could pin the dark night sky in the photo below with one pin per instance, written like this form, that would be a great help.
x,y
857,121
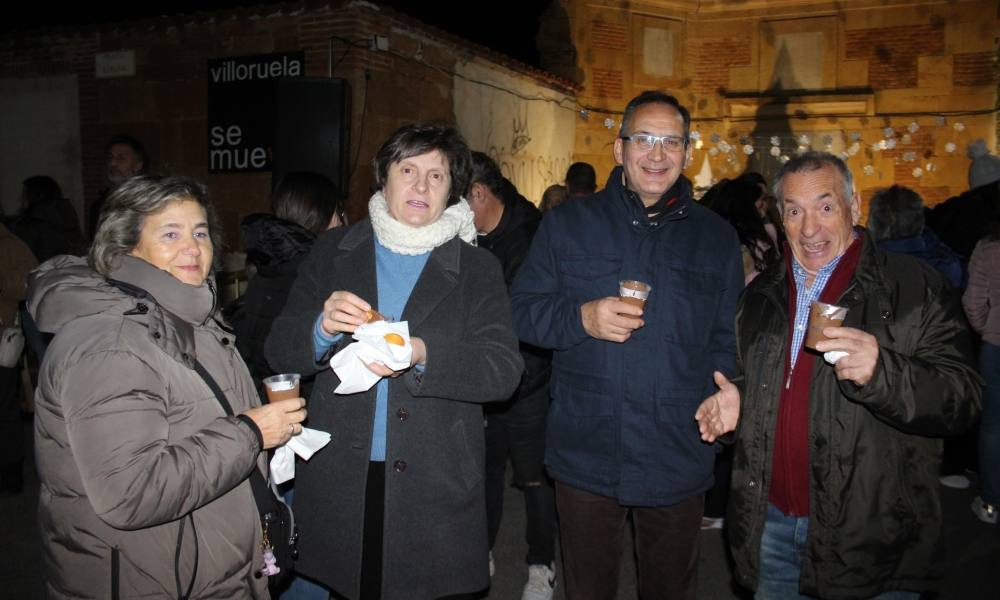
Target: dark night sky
x,y
511,30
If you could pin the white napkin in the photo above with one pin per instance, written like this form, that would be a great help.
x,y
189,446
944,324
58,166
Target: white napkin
x,y
350,364
833,356
304,444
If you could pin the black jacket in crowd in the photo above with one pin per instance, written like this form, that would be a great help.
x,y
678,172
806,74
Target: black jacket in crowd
x,y
509,242
275,247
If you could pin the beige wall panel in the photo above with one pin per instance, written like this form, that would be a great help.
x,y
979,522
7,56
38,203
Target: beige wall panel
x,y
799,53
852,74
934,71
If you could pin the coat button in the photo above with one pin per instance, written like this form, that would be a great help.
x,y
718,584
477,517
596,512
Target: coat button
x,y
399,466
156,335
763,386
885,315
403,414
224,341
752,484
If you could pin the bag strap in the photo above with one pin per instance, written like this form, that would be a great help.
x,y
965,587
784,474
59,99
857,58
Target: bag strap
x,y
262,494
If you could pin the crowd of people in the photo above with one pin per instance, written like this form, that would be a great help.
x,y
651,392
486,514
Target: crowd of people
x,y
713,399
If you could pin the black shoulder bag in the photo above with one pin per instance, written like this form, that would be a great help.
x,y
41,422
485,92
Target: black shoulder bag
x,y
280,533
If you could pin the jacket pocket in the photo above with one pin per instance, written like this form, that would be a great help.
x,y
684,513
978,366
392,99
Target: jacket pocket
x,y
589,277
684,304
588,396
472,472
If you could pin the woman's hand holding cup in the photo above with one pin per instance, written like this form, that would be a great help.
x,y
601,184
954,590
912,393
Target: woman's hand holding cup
x,y
279,421
343,312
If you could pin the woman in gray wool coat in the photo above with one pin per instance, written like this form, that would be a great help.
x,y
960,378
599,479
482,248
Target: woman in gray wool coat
x,y
394,506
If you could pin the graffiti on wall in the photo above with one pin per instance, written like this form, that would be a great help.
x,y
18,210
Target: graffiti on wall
x,y
518,123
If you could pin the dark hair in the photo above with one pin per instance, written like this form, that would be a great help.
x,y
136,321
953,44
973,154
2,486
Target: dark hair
x,y
40,189
553,196
894,213
581,179
135,145
652,97
307,199
485,171
813,160
735,200
126,208
421,138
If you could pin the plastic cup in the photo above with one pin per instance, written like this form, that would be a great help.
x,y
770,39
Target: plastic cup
x,y
282,387
634,292
822,315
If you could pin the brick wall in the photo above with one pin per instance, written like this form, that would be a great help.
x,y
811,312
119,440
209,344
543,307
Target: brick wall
x,y
892,52
164,105
608,36
974,68
712,58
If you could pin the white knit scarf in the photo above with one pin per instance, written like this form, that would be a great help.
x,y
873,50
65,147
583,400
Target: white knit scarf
x,y
405,239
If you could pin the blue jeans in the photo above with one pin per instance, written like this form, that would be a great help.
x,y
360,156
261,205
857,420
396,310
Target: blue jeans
x,y
783,546
989,427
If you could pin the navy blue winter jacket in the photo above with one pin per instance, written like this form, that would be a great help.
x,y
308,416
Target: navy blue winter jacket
x,y
621,423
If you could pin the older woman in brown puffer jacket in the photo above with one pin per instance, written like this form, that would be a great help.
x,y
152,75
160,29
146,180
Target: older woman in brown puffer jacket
x,y
144,489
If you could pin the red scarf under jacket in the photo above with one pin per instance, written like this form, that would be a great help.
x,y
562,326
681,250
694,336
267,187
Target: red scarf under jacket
x,y
790,465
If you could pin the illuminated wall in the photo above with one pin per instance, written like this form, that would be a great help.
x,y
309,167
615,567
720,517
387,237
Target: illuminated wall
x,y
898,91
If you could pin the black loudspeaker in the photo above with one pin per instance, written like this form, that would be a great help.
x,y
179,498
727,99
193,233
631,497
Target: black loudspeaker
x,y
311,128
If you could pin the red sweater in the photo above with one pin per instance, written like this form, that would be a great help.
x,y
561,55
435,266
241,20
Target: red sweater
x,y
789,490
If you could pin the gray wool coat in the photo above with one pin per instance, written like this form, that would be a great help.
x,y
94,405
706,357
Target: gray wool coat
x,y
142,474
435,541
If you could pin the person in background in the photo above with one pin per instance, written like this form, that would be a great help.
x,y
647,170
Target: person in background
x,y
626,380
506,223
395,506
982,306
738,201
767,208
553,196
144,479
125,157
581,180
16,261
48,223
896,223
303,206
834,486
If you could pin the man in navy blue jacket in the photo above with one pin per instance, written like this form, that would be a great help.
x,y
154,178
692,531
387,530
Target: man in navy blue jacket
x,y
626,381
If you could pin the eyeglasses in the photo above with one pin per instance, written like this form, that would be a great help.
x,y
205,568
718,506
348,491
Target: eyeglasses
x,y
646,142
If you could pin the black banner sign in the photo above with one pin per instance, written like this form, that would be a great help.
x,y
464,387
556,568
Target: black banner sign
x,y
241,109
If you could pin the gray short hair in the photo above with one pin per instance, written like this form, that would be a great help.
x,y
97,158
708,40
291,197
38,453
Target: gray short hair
x,y
125,210
813,160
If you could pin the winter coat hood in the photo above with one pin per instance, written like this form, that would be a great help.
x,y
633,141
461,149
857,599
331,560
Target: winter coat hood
x,y
271,241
